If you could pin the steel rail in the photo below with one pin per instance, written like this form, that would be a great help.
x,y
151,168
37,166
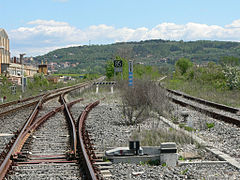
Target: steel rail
x,y
209,113
67,90
34,97
7,161
19,141
19,101
91,172
71,122
59,92
72,126
205,102
30,98
42,119
24,134
18,108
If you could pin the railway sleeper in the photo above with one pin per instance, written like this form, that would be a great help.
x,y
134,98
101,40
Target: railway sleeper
x,y
43,176
70,165
45,170
104,167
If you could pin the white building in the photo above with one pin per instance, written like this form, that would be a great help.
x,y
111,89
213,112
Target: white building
x,y
4,49
13,71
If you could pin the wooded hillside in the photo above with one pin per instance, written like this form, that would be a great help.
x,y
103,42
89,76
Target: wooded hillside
x,y
150,52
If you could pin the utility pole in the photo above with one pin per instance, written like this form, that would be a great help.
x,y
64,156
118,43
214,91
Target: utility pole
x,y
21,60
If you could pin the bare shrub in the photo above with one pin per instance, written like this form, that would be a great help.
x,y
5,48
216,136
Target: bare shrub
x,y
155,137
140,99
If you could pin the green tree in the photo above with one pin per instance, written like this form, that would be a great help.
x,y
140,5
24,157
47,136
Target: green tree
x,y
109,69
143,71
4,87
230,61
40,81
183,64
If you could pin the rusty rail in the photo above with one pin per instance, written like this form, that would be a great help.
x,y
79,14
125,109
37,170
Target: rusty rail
x,y
25,133
71,122
19,101
83,145
34,97
7,161
21,138
42,119
18,108
205,102
58,93
72,127
212,114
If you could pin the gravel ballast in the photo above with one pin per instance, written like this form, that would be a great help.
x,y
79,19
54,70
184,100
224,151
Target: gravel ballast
x,y
107,128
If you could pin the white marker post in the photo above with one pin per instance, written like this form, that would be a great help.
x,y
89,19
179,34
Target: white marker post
x,y
112,89
96,88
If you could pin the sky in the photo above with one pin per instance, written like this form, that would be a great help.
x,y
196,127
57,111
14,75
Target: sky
x,y
36,27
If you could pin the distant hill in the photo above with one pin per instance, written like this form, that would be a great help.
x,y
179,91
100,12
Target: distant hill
x,y
150,52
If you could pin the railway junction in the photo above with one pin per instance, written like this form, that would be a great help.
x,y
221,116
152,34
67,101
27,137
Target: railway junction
x,y
64,134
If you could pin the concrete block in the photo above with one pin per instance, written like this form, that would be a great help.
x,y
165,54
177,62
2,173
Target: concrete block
x,y
169,158
151,150
133,159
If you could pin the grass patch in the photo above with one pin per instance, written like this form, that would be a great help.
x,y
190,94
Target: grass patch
x,y
210,125
187,128
174,119
206,91
181,125
164,164
106,160
190,129
155,137
181,158
184,171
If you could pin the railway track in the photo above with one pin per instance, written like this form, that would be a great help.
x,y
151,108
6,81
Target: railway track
x,y
56,143
214,110
17,105
49,144
14,114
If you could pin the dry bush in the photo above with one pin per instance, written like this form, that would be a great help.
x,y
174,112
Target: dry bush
x,y
155,137
144,96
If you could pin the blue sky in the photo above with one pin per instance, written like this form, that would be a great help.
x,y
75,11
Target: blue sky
x,y
38,26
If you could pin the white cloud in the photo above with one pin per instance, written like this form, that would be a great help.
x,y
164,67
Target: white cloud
x,y
48,23
38,51
234,24
40,36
